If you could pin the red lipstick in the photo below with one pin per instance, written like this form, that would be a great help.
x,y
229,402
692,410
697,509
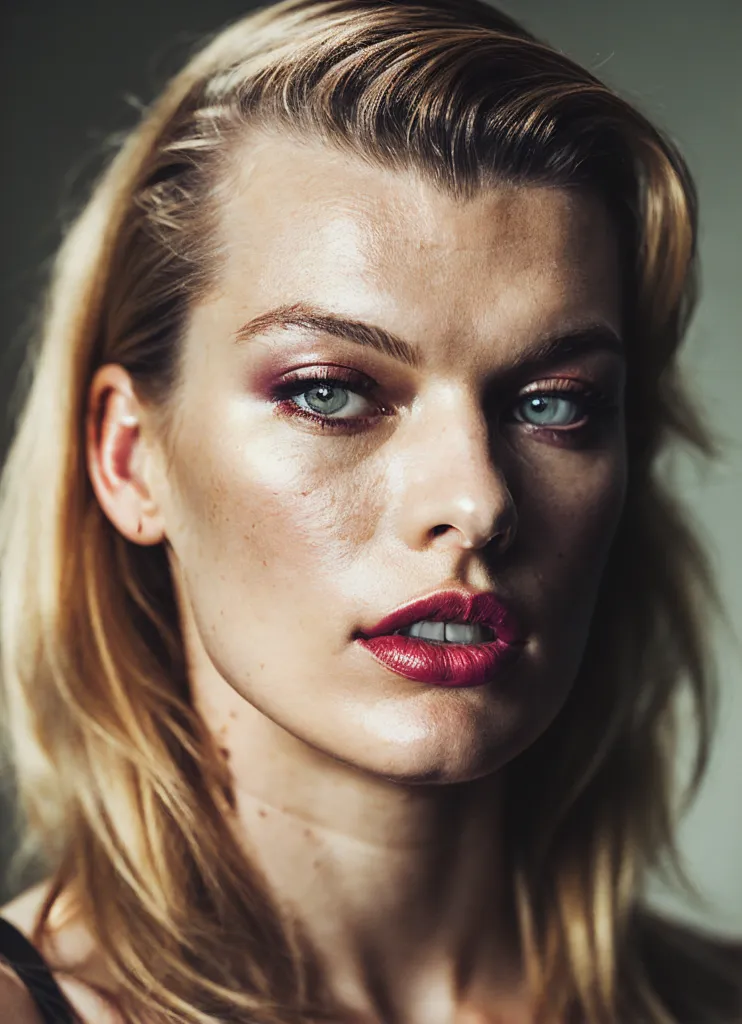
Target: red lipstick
x,y
441,662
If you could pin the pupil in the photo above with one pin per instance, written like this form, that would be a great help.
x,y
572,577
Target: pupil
x,y
327,395
544,408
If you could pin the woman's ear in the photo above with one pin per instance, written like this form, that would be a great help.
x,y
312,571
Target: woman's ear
x,y
119,459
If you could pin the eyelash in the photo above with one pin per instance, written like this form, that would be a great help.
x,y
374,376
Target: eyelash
x,y
593,403
334,377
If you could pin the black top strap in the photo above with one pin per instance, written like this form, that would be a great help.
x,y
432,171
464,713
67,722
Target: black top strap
x,y
28,964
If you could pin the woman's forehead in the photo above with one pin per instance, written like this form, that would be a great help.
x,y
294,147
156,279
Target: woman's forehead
x,y
286,189
306,223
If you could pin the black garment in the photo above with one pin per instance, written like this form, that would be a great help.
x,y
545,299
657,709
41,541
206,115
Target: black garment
x,y
28,964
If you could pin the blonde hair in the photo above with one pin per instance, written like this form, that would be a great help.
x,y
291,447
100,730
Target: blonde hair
x,y
118,779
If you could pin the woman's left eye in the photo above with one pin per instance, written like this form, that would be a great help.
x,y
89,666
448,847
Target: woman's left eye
x,y
561,410
544,410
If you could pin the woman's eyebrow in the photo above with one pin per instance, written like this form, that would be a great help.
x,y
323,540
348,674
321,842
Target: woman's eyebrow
x,y
315,319
578,341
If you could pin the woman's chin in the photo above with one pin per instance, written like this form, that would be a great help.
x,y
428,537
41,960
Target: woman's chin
x,y
453,742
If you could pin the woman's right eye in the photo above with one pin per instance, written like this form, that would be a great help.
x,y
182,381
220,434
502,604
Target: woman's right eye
x,y
327,398
329,401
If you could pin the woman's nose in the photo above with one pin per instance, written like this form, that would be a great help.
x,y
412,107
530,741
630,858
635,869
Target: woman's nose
x,y
450,486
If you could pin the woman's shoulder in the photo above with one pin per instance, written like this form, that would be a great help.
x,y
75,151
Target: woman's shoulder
x,y
69,948
16,1003
697,974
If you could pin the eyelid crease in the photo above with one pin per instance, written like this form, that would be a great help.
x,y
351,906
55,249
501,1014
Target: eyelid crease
x,y
355,381
558,384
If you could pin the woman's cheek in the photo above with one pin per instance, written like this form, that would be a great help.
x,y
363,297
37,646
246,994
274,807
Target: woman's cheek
x,y
293,513
569,510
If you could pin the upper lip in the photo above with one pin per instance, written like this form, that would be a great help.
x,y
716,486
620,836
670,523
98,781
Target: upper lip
x,y
484,608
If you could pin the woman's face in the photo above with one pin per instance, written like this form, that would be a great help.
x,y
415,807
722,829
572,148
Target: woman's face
x,y
300,514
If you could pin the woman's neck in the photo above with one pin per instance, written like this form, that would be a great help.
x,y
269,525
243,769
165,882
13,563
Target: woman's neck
x,y
398,890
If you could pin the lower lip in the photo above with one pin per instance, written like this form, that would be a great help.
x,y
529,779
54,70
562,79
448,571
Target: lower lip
x,y
440,663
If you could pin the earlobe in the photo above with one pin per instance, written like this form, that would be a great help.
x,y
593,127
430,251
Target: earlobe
x,y
117,453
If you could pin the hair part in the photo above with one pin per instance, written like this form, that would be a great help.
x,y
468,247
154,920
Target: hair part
x,y
119,779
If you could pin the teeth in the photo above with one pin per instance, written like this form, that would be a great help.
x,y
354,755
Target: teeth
x,y
449,632
429,630
462,633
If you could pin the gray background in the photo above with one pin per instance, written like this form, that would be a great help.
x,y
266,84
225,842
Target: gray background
x,y
68,72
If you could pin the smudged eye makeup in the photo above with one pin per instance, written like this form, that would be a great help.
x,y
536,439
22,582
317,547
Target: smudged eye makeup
x,y
339,398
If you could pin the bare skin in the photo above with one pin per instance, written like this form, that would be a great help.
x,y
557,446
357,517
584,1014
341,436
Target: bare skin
x,y
67,944
369,801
